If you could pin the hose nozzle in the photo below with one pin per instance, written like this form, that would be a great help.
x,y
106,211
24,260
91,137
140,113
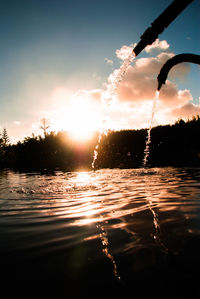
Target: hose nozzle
x,y
162,22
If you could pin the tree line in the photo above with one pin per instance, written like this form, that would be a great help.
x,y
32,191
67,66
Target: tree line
x,y
171,145
175,145
53,151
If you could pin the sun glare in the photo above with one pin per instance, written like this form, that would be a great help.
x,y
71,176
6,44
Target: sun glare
x,y
81,122
80,117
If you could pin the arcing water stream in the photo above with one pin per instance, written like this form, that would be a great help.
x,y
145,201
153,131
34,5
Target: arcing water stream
x,y
118,76
148,141
109,95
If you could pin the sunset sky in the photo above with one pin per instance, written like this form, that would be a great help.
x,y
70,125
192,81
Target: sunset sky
x,y
57,59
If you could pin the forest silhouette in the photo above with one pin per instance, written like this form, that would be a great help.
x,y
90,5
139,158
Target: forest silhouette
x,y
175,145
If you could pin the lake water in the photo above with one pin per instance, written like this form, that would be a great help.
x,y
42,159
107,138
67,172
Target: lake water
x,y
108,232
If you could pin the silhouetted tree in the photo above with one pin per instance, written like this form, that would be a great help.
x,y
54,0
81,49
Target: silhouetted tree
x,y
5,138
1,140
44,126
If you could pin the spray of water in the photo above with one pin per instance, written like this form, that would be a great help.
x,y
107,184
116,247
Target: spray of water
x,y
148,141
118,76
102,132
109,94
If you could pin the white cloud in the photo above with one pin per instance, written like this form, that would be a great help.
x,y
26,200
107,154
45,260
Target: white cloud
x,y
158,45
17,123
186,111
125,51
137,90
140,82
108,61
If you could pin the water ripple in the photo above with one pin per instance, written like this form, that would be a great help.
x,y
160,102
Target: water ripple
x,y
112,215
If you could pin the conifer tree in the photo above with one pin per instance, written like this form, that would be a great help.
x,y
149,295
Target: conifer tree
x,y
1,140
5,138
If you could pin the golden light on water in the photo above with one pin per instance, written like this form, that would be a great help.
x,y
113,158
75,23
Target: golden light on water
x,y
88,207
92,208
83,178
106,218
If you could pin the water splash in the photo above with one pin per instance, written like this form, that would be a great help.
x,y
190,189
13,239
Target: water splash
x,y
148,141
103,131
118,75
108,96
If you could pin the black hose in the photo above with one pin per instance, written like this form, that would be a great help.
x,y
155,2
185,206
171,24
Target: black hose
x,y
185,57
162,22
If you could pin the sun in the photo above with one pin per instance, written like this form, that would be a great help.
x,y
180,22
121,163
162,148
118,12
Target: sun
x,y
80,117
80,124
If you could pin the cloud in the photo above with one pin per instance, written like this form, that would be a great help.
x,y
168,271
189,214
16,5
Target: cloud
x,y
132,106
137,89
17,123
152,65
108,61
170,96
91,96
140,81
125,51
186,111
96,95
158,45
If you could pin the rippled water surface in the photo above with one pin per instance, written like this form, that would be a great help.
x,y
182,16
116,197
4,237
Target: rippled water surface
x,y
110,232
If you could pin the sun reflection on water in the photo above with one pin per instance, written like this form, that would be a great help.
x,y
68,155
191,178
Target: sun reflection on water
x,y
95,212
102,202
83,179
122,223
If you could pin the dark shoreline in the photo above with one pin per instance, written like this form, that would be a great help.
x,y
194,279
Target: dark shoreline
x,y
175,145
